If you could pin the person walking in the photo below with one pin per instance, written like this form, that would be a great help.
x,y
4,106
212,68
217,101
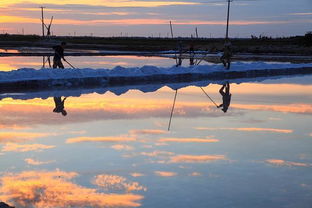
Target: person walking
x,y
226,97
59,105
58,55
227,55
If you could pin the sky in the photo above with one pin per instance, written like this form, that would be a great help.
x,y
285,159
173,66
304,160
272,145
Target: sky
x,y
150,18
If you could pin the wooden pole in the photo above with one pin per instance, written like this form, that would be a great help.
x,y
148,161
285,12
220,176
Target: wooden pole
x,y
171,29
228,20
174,101
42,21
196,32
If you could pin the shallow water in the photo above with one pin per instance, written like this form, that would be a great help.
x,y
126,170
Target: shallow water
x,y
13,63
116,150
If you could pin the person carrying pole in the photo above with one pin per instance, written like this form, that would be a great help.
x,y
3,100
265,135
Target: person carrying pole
x,y
59,105
227,55
226,97
192,53
58,55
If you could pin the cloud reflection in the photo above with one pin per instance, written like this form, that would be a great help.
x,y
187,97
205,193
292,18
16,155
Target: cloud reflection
x,y
12,147
99,139
279,162
54,189
19,137
196,158
188,140
114,182
36,162
165,174
252,129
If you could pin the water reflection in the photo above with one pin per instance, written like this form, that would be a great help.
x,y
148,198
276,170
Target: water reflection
x,y
115,151
55,189
226,97
59,105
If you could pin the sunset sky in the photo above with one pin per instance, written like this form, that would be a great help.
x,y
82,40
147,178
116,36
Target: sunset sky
x,y
151,17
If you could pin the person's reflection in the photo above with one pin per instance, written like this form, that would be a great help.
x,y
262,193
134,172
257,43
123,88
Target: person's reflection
x,y
226,97
59,105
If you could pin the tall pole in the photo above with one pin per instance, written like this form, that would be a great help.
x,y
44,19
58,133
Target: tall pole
x,y
227,21
171,29
42,21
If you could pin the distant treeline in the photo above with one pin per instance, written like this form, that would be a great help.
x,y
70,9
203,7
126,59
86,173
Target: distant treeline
x,y
254,44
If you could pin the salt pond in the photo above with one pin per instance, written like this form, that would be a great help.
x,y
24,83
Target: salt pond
x,y
116,150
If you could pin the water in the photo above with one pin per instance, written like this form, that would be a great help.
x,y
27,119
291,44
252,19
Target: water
x,y
116,150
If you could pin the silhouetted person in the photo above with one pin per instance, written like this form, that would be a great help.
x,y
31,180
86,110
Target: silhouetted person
x,y
192,53
58,55
180,49
226,97
227,55
59,105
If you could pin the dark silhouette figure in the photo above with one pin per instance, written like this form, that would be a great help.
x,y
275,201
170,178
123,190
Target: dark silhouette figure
x,y
58,55
192,53
59,105
227,55
226,97
180,49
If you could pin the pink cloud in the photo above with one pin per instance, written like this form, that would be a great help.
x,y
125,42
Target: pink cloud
x,y
196,158
165,174
11,147
99,139
279,162
54,189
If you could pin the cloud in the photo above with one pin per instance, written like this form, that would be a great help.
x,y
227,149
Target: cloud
x,y
106,3
44,189
291,108
99,139
11,147
136,174
10,126
195,174
165,174
148,132
157,153
302,14
251,129
196,158
19,137
118,183
279,162
122,147
188,140
36,162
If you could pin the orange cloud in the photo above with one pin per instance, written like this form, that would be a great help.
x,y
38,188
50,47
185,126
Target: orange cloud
x,y
106,3
54,189
196,158
114,182
195,174
156,153
128,21
122,147
100,139
279,162
148,131
11,147
291,108
18,137
165,174
285,131
36,162
136,175
188,140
